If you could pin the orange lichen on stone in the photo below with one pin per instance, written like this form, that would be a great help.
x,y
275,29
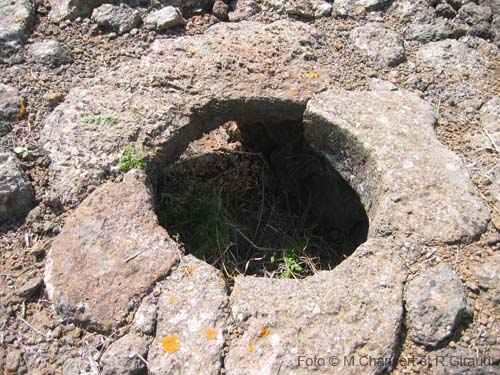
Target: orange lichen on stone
x,y
264,331
251,347
192,271
170,344
294,91
172,299
211,334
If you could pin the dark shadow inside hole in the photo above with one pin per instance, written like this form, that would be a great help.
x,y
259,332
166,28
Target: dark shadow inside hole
x,y
255,199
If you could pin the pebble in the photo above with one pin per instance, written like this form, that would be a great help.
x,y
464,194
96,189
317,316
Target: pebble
x,y
13,361
30,288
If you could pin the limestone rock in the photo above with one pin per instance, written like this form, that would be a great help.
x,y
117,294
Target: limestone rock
x,y
121,357
192,321
120,19
164,19
49,52
109,254
379,42
490,120
16,192
10,101
488,276
436,303
383,143
355,310
16,21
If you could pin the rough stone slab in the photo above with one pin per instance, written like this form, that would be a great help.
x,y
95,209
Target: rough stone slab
x,y
10,101
436,303
379,42
383,143
192,311
16,21
16,192
109,254
160,104
355,310
490,120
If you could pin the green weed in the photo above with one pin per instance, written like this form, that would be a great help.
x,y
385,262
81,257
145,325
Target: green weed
x,y
132,159
100,120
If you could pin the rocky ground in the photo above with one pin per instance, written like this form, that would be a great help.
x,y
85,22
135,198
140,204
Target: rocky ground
x,y
148,64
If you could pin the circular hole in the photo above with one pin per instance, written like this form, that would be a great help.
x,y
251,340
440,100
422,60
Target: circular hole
x,y
255,199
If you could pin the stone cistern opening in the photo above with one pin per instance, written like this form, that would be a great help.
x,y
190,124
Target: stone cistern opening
x,y
255,199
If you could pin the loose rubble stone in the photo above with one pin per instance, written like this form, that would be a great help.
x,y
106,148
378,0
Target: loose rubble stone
x,y
16,192
13,361
436,303
371,5
49,52
121,358
192,321
70,9
417,11
355,310
379,42
10,101
490,120
384,141
30,288
164,19
16,21
488,276
109,254
145,317
220,10
120,19
427,32
474,14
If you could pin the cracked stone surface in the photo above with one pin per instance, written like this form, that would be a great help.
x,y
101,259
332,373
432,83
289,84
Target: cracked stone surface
x,y
109,254
383,143
193,312
321,315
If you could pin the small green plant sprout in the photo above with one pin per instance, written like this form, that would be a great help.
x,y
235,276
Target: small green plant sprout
x,y
100,120
22,152
292,264
132,159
